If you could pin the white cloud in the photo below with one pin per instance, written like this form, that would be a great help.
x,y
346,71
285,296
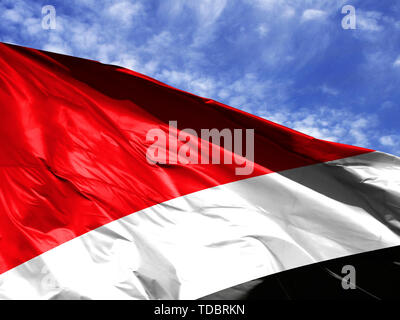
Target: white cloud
x,y
171,8
329,90
158,42
208,11
358,131
369,20
265,4
128,61
57,44
125,11
33,26
262,30
288,12
396,63
325,123
223,94
390,141
84,37
12,15
387,105
57,48
238,101
313,14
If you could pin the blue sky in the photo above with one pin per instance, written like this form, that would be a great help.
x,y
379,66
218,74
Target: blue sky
x,y
289,61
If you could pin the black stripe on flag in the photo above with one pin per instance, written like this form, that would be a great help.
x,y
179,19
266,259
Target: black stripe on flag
x,y
377,277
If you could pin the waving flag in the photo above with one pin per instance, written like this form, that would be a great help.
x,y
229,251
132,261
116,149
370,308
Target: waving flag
x,y
96,203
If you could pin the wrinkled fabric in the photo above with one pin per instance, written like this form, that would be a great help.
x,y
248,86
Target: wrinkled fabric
x,y
204,242
73,156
